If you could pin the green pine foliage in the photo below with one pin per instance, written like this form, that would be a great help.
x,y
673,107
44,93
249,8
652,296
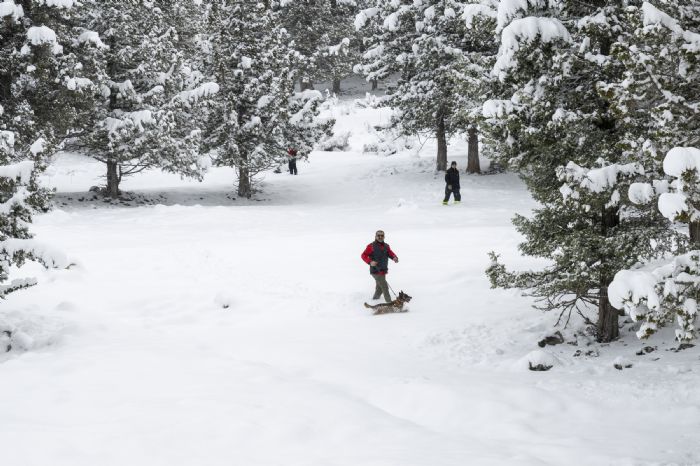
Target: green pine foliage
x,y
323,37
427,43
37,84
257,115
557,127
659,99
145,86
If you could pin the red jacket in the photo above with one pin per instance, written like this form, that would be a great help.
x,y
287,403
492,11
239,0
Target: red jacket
x,y
368,253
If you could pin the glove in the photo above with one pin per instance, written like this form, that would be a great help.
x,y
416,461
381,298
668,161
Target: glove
x,y
373,263
449,186
396,260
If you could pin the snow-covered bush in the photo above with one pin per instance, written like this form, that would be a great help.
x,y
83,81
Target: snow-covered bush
x,y
380,147
385,142
371,101
337,142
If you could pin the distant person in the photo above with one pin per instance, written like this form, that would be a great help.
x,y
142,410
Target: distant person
x,y
377,255
452,184
292,154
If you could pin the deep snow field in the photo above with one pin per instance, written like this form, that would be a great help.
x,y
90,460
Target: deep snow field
x,y
208,330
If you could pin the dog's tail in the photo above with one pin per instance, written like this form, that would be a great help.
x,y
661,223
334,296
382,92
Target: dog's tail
x,y
368,306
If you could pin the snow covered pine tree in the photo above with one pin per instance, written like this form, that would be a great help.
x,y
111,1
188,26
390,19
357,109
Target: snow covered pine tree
x,y
37,82
556,127
321,32
664,107
424,42
257,114
141,115
670,290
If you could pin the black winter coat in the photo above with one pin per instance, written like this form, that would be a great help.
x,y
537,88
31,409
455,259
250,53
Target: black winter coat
x,y
452,178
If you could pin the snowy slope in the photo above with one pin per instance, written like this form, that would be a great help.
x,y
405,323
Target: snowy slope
x,y
212,331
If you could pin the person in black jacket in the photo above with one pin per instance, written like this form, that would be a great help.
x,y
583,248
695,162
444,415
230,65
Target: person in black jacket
x,y
452,184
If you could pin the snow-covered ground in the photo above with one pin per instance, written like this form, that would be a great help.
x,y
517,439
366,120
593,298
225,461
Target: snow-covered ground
x,y
208,330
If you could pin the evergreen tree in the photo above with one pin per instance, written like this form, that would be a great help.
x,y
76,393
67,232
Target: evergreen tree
x,y
140,116
475,83
322,34
426,42
338,59
256,115
37,82
559,131
659,97
669,291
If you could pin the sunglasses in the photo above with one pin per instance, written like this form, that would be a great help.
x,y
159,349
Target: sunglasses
x,y
380,236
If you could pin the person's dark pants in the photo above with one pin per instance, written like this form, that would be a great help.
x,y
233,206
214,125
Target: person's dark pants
x,y
455,191
381,287
293,167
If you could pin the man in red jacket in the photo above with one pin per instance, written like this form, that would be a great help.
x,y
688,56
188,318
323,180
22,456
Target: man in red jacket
x,y
292,154
377,255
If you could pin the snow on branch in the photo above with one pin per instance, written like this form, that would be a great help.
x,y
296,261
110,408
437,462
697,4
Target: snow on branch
x,y
45,255
596,180
652,16
682,163
21,171
40,35
7,140
58,3
471,11
93,38
641,193
195,95
509,9
136,120
681,159
17,284
661,294
363,16
341,47
496,108
524,31
310,98
9,8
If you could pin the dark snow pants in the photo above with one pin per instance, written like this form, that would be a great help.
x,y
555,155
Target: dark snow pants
x,y
293,167
455,191
381,287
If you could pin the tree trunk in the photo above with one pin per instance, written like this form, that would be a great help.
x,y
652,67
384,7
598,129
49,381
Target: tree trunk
x,y
113,179
694,229
336,86
244,184
607,329
441,141
5,86
375,84
473,151
607,318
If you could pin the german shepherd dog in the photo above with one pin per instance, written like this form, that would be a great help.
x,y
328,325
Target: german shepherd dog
x,y
394,306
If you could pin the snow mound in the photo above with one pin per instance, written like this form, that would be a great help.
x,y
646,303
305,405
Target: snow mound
x,y
538,360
